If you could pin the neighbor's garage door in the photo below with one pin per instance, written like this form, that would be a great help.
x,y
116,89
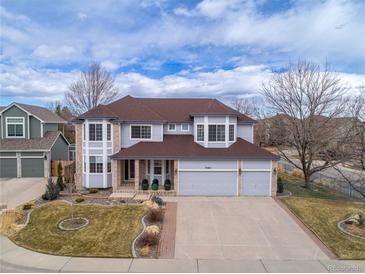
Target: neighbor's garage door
x,y
208,178
256,178
8,167
32,167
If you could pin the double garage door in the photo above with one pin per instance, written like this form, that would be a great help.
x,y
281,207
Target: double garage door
x,y
31,165
223,178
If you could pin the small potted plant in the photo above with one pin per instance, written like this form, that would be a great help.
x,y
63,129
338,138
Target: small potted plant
x,y
167,185
144,184
154,185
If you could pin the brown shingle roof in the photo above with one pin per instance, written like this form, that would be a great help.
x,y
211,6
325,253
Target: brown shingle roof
x,y
162,109
43,113
43,144
183,146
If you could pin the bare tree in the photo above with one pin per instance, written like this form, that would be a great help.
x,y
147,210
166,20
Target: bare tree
x,y
356,155
55,107
311,99
95,86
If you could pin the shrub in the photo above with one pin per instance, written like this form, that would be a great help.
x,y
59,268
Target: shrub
x,y
280,185
93,190
60,184
79,200
144,184
52,190
154,185
167,184
297,173
148,239
27,206
155,215
153,229
158,200
44,196
361,220
145,251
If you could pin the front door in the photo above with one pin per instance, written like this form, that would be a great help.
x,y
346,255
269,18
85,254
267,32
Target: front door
x,y
157,169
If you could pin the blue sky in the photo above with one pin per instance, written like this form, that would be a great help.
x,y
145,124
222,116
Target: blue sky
x,y
209,48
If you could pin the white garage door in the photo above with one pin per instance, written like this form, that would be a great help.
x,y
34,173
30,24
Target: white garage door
x,y
256,178
208,178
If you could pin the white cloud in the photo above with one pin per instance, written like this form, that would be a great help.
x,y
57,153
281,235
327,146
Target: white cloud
x,y
82,16
55,52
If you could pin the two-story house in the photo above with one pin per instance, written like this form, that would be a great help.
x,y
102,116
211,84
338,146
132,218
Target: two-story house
x,y
29,140
201,145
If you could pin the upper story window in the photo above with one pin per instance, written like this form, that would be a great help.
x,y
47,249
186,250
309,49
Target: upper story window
x,y
141,132
200,133
216,133
95,132
15,127
109,164
231,133
171,127
185,127
108,132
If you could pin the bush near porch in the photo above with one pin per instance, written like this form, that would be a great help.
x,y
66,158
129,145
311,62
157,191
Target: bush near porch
x,y
110,232
321,209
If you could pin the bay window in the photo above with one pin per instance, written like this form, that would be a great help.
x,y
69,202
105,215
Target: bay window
x,y
95,132
200,133
216,133
108,132
231,133
96,164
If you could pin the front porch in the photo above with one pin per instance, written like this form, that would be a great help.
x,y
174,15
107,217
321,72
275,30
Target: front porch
x,y
127,175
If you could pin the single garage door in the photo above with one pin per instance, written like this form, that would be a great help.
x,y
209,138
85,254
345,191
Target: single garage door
x,y
8,167
256,178
256,183
33,167
208,178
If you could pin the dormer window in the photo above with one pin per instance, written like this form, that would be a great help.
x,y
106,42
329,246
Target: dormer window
x,y
216,133
200,133
15,127
231,132
171,127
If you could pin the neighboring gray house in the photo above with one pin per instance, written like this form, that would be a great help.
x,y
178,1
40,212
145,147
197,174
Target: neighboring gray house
x,y
29,140
201,145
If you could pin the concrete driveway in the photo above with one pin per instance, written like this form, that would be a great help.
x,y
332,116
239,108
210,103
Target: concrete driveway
x,y
16,191
239,228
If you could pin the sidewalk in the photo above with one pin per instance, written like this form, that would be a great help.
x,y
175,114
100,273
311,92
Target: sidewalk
x,y
17,259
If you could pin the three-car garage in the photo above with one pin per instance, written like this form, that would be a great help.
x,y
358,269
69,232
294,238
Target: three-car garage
x,y
225,178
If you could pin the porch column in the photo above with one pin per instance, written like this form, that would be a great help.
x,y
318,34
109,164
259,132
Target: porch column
x,y
176,176
116,174
136,175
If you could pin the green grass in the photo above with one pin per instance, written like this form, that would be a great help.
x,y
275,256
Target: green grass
x,y
110,232
321,209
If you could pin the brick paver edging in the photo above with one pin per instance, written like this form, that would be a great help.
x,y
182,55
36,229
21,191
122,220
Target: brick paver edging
x,y
307,230
166,247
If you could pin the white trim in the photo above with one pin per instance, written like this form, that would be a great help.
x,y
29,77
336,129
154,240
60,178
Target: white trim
x,y
18,165
185,130
6,127
8,157
28,127
234,132
2,126
31,157
139,139
42,130
252,130
209,169
226,131
105,149
205,131
270,187
256,169
168,127
238,178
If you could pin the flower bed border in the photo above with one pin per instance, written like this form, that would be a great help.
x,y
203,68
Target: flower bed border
x,y
347,232
59,225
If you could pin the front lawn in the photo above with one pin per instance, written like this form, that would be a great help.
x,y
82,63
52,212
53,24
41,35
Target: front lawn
x,y
110,232
321,210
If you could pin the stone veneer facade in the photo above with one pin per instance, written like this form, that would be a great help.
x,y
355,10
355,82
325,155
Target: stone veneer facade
x,y
116,165
79,156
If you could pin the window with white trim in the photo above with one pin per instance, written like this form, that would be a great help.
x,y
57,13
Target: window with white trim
x,y
71,155
95,132
171,127
216,133
108,132
200,133
96,164
15,127
185,127
231,133
141,132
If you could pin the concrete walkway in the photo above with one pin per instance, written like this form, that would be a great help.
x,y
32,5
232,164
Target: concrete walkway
x,y
17,259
